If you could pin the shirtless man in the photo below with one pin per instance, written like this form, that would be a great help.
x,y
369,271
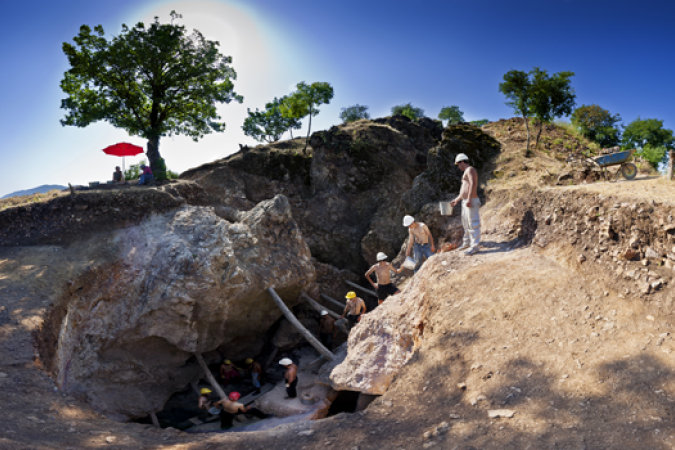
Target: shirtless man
x,y
230,408
384,286
468,195
420,241
291,377
354,308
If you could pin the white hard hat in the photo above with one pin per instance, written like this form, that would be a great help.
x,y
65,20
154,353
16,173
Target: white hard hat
x,y
461,157
286,362
381,256
408,220
324,312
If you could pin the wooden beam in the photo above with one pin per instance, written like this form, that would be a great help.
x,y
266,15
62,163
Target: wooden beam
x,y
333,302
318,306
298,326
154,419
209,376
361,288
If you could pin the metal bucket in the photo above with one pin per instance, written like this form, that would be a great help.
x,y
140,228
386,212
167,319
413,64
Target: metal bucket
x,y
445,208
409,263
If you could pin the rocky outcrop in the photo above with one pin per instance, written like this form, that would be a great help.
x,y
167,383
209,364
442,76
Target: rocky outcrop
x,y
383,341
180,282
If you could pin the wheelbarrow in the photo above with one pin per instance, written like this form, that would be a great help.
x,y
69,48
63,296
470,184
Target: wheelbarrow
x,y
622,159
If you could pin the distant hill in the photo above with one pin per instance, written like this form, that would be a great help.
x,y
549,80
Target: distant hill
x,y
36,190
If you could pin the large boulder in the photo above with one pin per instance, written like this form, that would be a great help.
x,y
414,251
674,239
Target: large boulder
x,y
180,282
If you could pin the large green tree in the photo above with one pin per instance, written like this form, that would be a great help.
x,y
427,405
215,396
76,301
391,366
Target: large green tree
x,y
304,101
355,112
538,94
649,138
597,124
408,110
269,125
151,81
452,114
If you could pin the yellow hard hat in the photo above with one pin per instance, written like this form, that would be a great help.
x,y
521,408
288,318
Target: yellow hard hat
x,y
205,391
249,360
227,361
350,294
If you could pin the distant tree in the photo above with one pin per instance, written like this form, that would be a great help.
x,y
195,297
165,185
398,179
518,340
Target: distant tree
x,y
452,114
352,113
649,138
552,97
536,94
479,123
269,125
304,101
152,82
407,110
597,124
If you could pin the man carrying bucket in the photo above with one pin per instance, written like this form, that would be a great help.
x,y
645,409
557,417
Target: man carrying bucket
x,y
420,241
468,195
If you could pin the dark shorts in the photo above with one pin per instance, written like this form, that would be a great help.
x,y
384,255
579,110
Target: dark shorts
x,y
385,290
352,319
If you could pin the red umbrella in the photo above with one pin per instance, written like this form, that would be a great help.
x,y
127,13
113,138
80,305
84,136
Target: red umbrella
x,y
123,149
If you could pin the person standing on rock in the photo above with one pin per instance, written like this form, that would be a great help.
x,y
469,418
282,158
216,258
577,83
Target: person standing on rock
x,y
291,377
326,329
384,287
468,195
420,241
354,308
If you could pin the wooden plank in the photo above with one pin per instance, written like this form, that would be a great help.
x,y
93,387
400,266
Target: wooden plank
x,y
298,326
361,288
318,306
209,376
154,419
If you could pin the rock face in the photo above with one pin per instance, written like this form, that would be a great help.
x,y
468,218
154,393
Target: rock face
x,y
180,282
383,342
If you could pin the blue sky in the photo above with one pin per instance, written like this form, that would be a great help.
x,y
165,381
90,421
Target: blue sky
x,y
374,53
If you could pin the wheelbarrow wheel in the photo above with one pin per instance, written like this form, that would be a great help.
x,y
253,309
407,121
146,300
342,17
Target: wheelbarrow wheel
x,y
628,170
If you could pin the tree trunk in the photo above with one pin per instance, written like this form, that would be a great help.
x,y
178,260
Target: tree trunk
x,y
318,307
669,173
309,128
527,145
536,140
323,351
154,158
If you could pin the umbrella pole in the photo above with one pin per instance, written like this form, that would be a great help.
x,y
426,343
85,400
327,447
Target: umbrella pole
x,y
123,168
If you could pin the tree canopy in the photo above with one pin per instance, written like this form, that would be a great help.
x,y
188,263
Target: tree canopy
x,y
536,94
269,125
151,81
407,110
597,124
452,114
650,139
304,101
352,113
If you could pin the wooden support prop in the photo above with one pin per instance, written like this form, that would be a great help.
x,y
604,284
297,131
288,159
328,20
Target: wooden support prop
x,y
361,288
318,307
270,358
209,376
333,302
298,326
155,421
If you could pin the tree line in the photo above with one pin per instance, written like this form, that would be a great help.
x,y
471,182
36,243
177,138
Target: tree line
x,y
160,81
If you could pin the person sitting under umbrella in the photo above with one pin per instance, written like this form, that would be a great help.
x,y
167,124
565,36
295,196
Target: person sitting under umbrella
x,y
118,176
146,175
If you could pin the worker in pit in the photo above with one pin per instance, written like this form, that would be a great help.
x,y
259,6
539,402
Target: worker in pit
x,y
291,377
255,369
326,329
384,287
228,372
354,308
230,408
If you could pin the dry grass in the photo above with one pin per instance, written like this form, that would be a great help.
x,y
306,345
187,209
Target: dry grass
x,y
29,199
